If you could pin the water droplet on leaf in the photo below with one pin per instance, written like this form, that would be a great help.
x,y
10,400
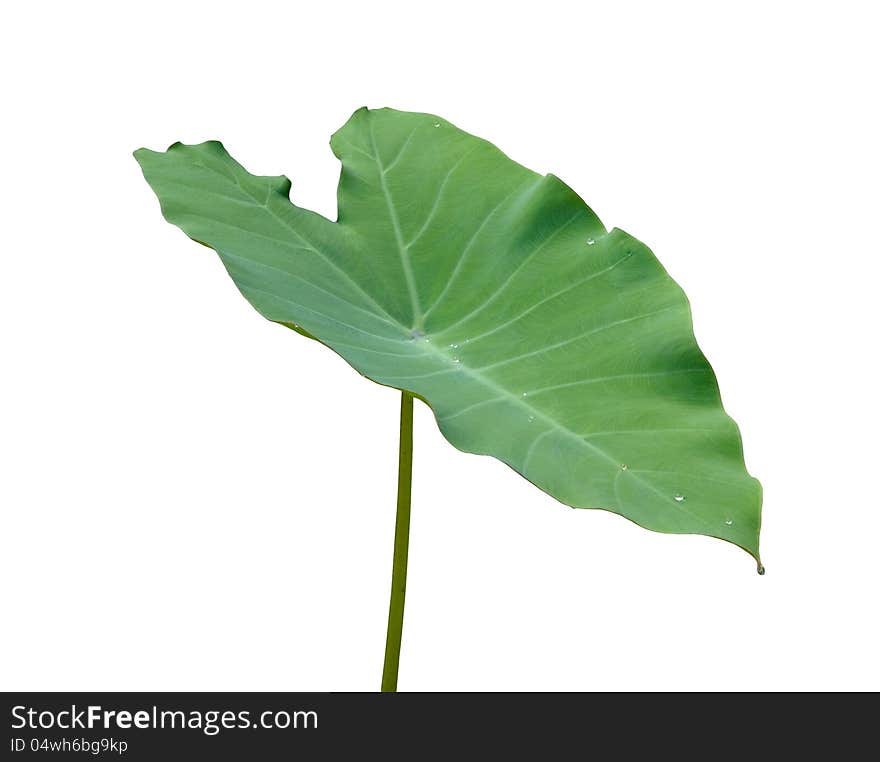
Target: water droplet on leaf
x,y
591,241
761,570
436,124
623,467
729,522
678,497
416,334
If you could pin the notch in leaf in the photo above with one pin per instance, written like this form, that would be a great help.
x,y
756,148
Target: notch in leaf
x,y
496,296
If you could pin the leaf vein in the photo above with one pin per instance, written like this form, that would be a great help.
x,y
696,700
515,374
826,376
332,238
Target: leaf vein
x,y
513,274
560,344
405,262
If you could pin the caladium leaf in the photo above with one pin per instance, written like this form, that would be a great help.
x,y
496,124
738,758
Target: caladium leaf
x,y
497,296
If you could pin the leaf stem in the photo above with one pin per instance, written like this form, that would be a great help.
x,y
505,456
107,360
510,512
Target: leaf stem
x,y
401,546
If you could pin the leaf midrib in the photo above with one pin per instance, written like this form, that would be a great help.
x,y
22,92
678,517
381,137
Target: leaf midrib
x,y
504,392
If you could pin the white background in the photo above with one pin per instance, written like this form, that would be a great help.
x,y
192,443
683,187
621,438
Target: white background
x,y
194,498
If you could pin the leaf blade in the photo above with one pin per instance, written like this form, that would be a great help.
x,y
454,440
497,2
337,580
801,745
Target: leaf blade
x,y
497,296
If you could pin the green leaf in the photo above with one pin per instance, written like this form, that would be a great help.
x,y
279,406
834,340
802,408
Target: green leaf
x,y
498,297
